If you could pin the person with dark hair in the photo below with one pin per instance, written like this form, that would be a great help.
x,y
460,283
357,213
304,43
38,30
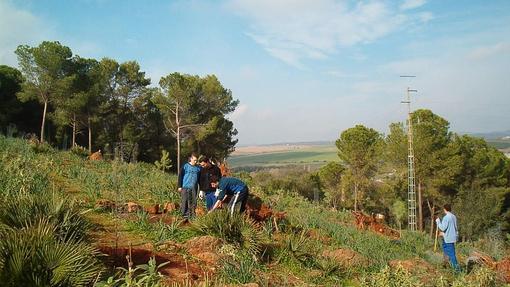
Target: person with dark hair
x,y
449,233
188,186
206,190
230,186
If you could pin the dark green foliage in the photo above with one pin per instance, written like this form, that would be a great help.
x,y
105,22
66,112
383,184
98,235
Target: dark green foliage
x,y
295,181
360,148
479,210
330,177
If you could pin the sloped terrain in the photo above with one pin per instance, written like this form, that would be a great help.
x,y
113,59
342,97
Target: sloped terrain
x,y
284,240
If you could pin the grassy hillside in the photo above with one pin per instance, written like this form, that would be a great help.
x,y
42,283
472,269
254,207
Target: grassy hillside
x,y
305,245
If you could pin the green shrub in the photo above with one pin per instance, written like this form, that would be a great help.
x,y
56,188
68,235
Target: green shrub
x,y
237,229
159,232
481,277
141,275
22,173
26,208
34,256
388,277
79,151
239,270
39,147
299,248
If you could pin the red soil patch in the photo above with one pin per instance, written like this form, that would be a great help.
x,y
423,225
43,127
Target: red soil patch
x,y
204,248
259,211
366,222
316,235
177,270
346,257
503,269
96,156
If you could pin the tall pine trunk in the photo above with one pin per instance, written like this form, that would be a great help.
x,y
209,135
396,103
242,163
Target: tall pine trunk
x,y
178,136
43,120
420,209
356,197
432,209
90,135
74,130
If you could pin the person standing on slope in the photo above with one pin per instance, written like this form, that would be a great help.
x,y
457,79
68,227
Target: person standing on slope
x,y
449,232
206,190
188,187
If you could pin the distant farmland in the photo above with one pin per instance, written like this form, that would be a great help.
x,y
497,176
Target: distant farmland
x,y
499,143
283,155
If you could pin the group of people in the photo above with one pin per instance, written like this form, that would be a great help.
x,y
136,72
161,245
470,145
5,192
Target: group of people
x,y
200,179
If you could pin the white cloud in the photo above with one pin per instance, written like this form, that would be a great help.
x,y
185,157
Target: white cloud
x,y
412,4
239,111
19,27
470,92
296,30
484,52
425,17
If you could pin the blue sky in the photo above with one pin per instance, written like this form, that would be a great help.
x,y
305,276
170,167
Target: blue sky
x,y
302,70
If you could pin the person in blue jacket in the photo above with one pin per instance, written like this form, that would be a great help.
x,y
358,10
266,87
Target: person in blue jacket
x,y
230,186
449,232
188,187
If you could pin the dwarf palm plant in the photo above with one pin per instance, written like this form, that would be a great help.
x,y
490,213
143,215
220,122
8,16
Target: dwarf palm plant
x,y
25,208
237,229
33,256
43,242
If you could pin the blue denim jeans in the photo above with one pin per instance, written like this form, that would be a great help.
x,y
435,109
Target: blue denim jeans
x,y
449,251
210,199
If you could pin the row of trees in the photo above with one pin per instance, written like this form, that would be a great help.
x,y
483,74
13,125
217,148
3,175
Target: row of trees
x,y
106,104
459,169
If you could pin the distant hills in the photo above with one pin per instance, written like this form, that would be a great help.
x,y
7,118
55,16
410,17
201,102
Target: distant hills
x,y
504,135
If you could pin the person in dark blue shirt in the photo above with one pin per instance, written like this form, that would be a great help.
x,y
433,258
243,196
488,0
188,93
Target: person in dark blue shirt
x,y
206,190
188,187
230,186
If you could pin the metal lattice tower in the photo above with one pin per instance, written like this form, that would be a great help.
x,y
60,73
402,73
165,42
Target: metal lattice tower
x,y
411,193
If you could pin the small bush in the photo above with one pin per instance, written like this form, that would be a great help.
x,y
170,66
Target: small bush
x,y
39,147
141,275
26,208
481,277
79,151
237,229
239,270
388,277
33,255
299,248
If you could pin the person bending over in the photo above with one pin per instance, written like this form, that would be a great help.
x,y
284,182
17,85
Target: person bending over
x,y
233,187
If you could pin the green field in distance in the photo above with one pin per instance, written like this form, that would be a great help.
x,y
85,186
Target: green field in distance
x,y
317,155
